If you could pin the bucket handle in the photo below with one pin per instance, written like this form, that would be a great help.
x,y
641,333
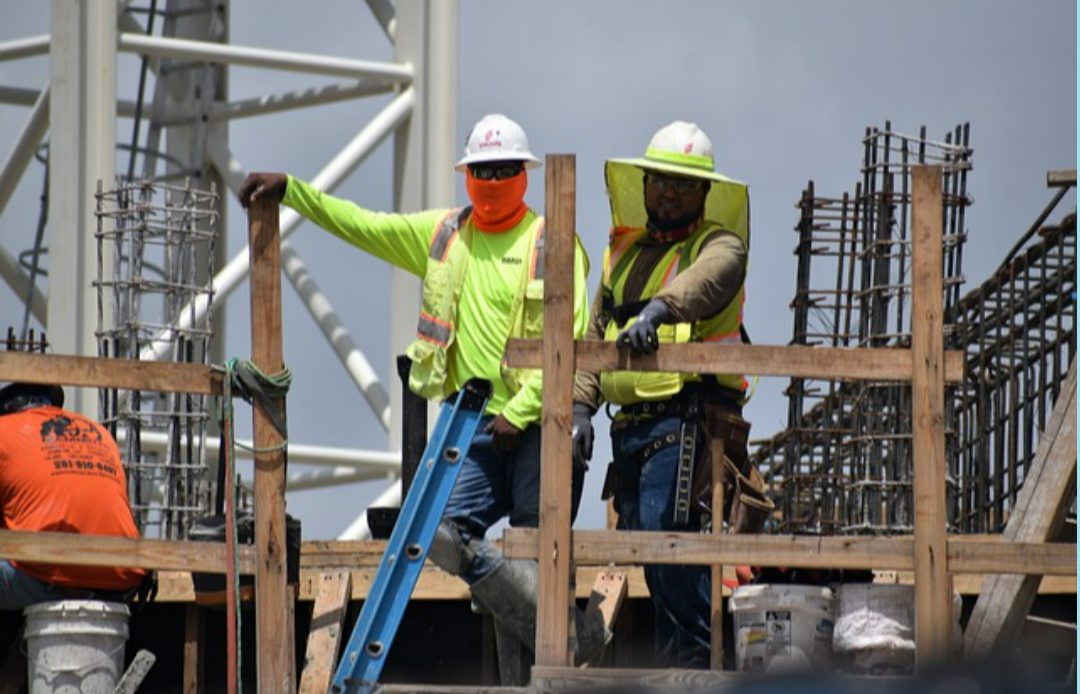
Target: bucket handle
x,y
70,669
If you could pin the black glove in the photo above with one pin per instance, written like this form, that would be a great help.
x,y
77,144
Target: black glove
x,y
258,186
641,336
582,434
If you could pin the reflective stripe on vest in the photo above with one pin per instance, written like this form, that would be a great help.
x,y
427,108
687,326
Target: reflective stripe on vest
x,y
434,330
677,260
536,267
448,231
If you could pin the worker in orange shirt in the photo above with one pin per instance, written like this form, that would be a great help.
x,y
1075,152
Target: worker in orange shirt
x,y
60,472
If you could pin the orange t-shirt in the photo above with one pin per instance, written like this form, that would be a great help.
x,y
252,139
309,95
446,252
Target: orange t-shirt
x,y
61,472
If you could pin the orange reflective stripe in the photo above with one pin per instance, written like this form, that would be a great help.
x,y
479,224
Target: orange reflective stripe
x,y
621,242
672,270
729,338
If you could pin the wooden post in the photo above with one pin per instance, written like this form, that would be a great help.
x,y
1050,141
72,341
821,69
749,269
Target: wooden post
x,y
275,658
933,586
555,557
194,663
327,626
717,583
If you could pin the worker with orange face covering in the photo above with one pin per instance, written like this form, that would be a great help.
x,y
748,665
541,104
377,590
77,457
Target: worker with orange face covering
x,y
60,472
482,270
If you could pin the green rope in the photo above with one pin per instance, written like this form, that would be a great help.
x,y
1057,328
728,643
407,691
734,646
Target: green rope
x,y
251,384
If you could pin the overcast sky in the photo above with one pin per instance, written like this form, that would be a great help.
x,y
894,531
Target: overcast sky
x,y
784,89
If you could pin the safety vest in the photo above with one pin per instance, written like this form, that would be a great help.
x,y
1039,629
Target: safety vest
x,y
448,257
629,387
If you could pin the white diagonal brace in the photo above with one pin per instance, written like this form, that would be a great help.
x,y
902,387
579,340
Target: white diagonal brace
x,y
208,51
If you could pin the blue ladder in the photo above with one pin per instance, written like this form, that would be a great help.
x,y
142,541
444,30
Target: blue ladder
x,y
369,645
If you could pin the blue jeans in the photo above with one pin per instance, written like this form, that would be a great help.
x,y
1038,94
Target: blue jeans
x,y
492,486
19,590
646,501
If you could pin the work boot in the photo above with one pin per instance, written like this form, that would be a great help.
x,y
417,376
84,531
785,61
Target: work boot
x,y
448,551
516,658
510,593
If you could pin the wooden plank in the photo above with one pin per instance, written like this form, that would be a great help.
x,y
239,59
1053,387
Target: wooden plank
x,y
274,649
548,679
136,673
1060,178
1036,559
933,588
434,584
716,583
654,547
554,600
971,584
90,550
857,552
835,363
1049,488
96,372
608,592
194,663
324,638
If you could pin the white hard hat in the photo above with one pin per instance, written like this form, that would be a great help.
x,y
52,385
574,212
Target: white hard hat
x,y
497,138
680,147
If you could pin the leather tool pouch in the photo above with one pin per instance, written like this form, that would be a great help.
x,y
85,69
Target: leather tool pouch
x,y
746,504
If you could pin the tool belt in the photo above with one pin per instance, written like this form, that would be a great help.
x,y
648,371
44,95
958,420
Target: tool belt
x,y
709,425
746,503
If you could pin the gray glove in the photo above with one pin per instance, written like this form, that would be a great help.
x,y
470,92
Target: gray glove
x,y
582,434
641,336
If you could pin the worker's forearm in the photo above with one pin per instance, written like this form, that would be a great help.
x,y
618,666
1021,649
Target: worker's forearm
x,y
710,283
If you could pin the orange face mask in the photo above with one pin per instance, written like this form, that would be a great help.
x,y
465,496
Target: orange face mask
x,y
497,205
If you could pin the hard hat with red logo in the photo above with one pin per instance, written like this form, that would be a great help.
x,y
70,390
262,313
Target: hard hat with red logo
x,y
678,149
497,138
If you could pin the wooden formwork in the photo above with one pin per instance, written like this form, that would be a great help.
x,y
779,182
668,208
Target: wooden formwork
x,y
932,555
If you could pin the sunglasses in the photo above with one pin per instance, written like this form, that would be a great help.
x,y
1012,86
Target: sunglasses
x,y
498,172
681,186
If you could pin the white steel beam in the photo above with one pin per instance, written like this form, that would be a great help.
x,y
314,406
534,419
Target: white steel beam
x,y
19,96
22,152
288,101
358,529
320,308
164,47
375,464
19,282
29,47
384,15
424,175
82,126
306,480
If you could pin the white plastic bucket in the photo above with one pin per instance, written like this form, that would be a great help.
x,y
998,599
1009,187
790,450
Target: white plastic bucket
x,y
782,627
75,646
